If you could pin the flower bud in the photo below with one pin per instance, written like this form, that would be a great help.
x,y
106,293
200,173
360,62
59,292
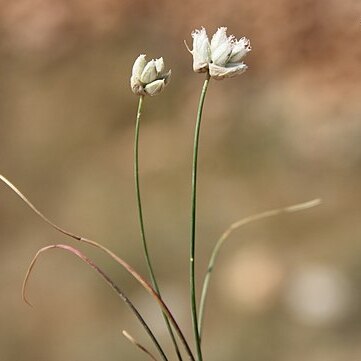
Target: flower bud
x,y
167,76
159,66
139,66
201,51
155,87
137,70
149,73
240,50
221,47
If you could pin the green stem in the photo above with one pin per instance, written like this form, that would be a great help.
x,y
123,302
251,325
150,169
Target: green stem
x,y
141,222
193,221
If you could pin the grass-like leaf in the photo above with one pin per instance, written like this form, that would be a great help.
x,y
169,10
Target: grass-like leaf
x,y
116,258
137,344
107,279
227,233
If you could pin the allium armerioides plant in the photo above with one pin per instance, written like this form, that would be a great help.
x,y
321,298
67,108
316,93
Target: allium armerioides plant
x,y
219,58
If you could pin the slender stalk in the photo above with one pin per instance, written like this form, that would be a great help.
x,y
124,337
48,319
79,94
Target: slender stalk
x,y
193,220
227,233
107,279
141,222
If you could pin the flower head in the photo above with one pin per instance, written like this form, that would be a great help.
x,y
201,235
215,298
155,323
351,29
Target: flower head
x,y
221,56
148,78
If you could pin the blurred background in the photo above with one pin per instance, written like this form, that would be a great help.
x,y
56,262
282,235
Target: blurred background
x,y
287,131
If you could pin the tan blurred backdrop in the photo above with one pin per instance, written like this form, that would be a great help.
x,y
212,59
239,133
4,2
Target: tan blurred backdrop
x,y
287,131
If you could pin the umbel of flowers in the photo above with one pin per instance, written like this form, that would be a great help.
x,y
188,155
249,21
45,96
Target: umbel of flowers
x,y
149,78
222,56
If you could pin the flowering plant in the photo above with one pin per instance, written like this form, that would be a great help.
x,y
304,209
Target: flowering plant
x,y
219,58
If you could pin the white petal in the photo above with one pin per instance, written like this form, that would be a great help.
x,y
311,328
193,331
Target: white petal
x,y
139,65
240,49
221,54
159,65
221,47
201,50
229,71
218,38
155,87
149,73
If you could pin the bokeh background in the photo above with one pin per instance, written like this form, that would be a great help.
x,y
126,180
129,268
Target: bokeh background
x,y
287,131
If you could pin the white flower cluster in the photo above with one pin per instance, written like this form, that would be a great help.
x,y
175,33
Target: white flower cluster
x,y
222,56
148,78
